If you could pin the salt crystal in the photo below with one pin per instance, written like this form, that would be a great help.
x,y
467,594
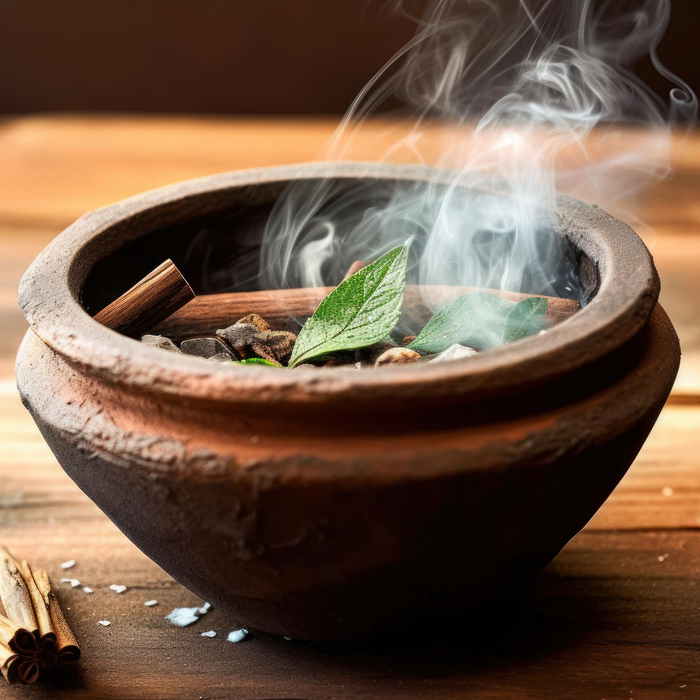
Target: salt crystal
x,y
104,623
73,582
454,352
183,617
237,636
117,589
68,564
660,558
289,639
210,633
88,590
150,603
667,491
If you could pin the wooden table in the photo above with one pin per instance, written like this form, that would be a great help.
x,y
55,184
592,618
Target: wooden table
x,y
616,615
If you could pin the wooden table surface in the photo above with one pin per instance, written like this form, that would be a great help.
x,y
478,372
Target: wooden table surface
x,y
616,615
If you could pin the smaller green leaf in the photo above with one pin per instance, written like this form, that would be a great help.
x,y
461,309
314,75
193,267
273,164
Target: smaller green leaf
x,y
475,320
255,361
524,319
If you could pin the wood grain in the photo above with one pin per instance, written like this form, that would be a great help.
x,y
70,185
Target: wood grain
x,y
607,619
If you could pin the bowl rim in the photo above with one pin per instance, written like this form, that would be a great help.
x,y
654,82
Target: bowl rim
x,y
49,297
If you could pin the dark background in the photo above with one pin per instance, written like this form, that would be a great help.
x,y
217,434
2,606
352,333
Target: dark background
x,y
224,56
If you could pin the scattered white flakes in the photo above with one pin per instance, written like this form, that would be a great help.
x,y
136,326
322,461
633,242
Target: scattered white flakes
x,y
182,617
150,603
237,636
117,589
68,564
210,633
72,581
454,352
87,589
667,491
104,623
254,439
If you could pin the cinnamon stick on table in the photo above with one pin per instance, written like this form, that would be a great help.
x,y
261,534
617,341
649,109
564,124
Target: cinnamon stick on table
x,y
34,633
148,302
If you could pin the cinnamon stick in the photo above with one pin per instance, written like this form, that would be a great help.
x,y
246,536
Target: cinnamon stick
x,y
66,648
148,302
15,594
17,639
46,636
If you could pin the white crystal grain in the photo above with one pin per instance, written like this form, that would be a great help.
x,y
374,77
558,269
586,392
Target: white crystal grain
x,y
68,564
117,589
104,623
210,633
237,636
150,603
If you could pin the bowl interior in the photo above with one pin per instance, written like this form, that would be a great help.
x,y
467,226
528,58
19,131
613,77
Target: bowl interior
x,y
218,249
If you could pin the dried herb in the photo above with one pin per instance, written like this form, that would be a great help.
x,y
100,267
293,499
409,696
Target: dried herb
x,y
360,311
256,361
524,319
480,320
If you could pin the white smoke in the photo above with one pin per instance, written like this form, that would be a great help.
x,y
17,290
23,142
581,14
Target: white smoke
x,y
518,100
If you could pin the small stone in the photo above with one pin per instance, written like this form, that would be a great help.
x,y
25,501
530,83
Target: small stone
x,y
454,352
237,636
397,356
408,340
160,341
372,353
210,633
104,623
205,347
88,590
117,589
150,603
220,357
68,564
248,340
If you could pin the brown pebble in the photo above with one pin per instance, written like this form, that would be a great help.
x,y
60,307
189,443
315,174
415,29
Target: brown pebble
x,y
408,340
255,320
160,341
397,356
373,352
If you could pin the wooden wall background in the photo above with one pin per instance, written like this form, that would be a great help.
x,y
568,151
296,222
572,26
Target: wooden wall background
x,y
224,56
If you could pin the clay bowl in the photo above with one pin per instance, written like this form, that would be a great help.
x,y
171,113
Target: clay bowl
x,y
328,504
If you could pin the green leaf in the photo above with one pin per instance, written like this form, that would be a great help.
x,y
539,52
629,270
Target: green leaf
x,y
524,319
359,312
255,361
475,320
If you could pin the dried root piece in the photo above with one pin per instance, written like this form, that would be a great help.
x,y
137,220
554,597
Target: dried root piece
x,y
251,337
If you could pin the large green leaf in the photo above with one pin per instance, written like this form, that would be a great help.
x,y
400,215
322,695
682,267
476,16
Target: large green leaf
x,y
524,319
475,320
360,311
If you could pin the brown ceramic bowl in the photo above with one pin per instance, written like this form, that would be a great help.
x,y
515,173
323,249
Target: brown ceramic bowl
x,y
328,504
